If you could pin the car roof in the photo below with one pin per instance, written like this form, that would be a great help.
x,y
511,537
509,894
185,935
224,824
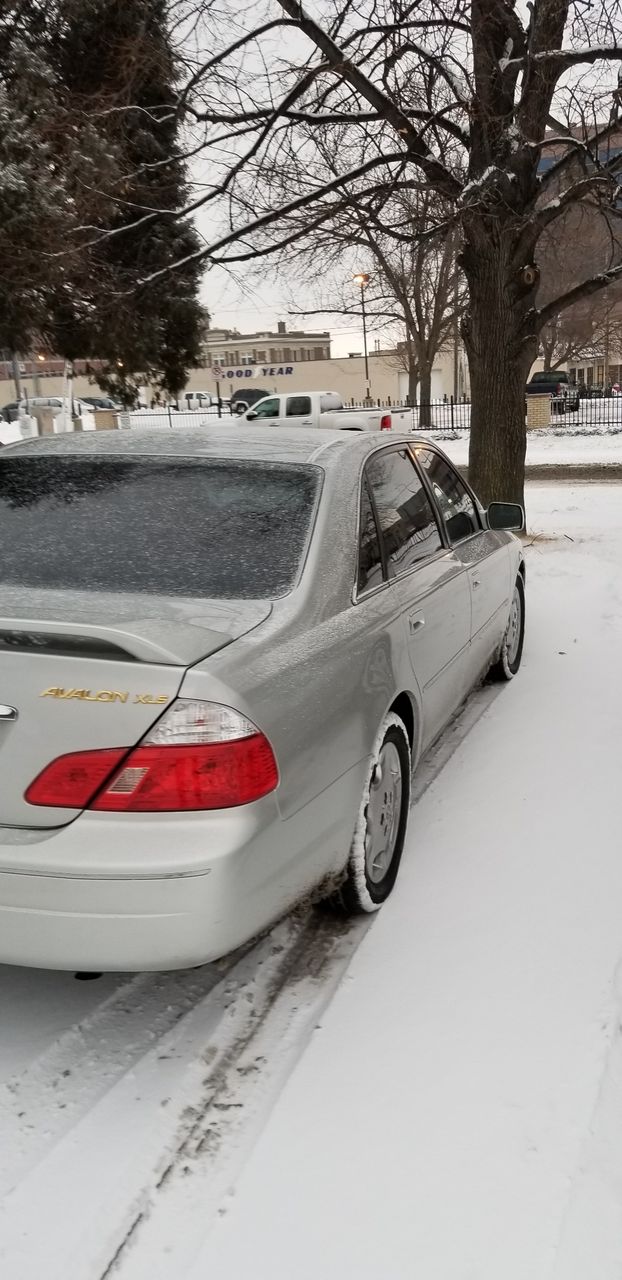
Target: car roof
x,y
268,444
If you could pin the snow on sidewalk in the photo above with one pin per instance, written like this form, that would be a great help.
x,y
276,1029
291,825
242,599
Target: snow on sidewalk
x,y
444,1122
548,448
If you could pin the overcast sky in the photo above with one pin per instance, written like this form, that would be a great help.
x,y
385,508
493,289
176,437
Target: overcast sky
x,y
251,305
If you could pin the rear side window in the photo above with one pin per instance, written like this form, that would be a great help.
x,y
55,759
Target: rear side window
x,y
298,407
370,560
407,522
200,527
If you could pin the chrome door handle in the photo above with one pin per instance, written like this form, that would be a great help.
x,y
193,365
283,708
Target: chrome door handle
x,y
7,713
307,422
416,624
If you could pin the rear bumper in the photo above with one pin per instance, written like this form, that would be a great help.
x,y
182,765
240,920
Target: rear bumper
x,y
54,922
119,892
135,892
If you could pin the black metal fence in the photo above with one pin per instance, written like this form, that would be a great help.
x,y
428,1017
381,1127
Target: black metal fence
x,y
594,413
593,416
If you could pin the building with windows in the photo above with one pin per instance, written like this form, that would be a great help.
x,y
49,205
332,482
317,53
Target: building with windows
x,y
229,348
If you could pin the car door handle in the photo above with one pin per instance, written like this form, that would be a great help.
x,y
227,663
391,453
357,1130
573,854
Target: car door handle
x,y
475,583
416,623
307,422
8,713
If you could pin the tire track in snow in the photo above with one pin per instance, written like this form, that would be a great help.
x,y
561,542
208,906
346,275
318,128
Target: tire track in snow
x,y
42,1103
98,1182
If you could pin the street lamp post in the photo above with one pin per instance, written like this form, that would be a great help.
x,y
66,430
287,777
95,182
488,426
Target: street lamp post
x,y
362,279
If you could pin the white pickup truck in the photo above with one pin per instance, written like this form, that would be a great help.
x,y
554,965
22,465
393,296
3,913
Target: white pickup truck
x,y
325,409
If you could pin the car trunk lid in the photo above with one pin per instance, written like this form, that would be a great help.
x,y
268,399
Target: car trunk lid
x,y
68,685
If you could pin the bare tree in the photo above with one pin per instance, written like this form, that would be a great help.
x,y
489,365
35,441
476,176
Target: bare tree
x,y
464,95
415,289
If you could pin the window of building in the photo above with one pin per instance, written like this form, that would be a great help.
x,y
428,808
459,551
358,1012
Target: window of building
x,y
590,377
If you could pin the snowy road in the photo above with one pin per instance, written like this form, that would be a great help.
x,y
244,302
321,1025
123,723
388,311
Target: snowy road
x,y
434,1095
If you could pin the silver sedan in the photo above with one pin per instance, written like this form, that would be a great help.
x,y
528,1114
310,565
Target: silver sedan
x,y
222,654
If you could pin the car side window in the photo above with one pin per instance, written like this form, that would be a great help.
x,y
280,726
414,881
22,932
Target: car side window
x,y
268,408
407,522
370,571
456,504
298,406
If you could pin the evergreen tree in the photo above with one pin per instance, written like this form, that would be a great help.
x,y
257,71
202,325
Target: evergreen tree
x,y
118,69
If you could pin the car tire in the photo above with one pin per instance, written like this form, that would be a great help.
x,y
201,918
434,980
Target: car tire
x,y
380,830
507,665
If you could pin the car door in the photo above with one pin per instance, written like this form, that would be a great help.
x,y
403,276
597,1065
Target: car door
x,y
483,552
432,582
298,411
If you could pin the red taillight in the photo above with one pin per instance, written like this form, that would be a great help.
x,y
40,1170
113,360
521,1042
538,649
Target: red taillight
x,y
385,422
71,781
200,755
167,779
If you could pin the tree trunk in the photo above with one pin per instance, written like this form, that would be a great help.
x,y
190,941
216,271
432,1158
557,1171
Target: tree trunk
x,y
16,377
501,345
425,394
413,380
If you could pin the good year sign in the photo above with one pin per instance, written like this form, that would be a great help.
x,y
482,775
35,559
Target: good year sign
x,y
254,371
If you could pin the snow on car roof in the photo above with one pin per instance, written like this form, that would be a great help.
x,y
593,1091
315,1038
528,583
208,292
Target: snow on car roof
x,y
276,444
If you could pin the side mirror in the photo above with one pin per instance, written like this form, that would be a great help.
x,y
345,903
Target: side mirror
x,y
250,415
506,515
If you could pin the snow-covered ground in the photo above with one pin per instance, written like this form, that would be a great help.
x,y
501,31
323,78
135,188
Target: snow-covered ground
x,y
436,1093
546,448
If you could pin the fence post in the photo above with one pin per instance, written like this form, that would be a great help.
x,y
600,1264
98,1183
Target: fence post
x,y
170,416
219,400
451,402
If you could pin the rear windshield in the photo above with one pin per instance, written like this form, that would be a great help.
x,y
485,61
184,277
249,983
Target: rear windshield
x,y
197,527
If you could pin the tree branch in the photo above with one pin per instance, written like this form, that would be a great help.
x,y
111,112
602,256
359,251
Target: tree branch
x,y
580,291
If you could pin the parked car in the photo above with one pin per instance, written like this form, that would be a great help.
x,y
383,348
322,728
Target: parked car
x,y
325,409
101,402
10,412
213,720
246,397
555,383
31,403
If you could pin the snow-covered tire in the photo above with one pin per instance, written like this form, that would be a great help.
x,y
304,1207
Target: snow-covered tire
x,y
380,829
508,663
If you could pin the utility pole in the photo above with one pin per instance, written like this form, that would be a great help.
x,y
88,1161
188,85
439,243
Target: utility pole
x,y
456,329
362,279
